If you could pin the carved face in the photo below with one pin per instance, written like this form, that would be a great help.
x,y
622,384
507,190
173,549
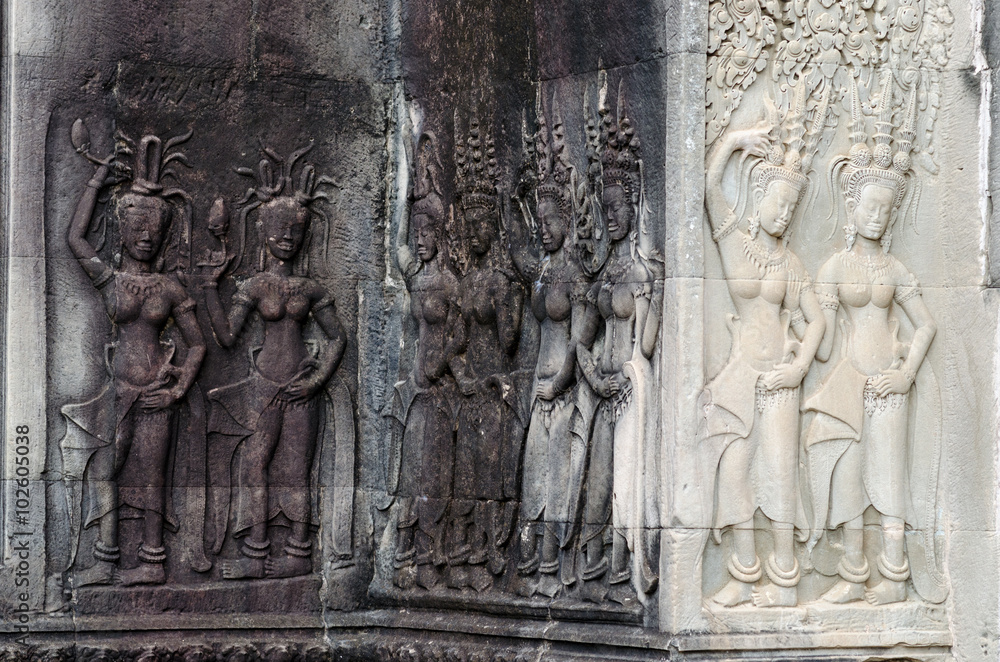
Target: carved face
x,y
874,211
619,211
777,206
285,224
482,227
551,224
423,227
143,221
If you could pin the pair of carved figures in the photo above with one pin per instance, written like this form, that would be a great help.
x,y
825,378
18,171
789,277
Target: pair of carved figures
x,y
263,431
559,450
862,448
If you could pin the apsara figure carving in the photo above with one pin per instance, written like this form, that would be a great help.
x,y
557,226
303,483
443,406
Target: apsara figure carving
x,y
627,296
555,447
268,426
422,472
861,448
117,445
752,406
489,427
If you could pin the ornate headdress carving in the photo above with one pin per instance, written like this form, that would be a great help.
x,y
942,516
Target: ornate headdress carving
x,y
879,166
426,198
793,148
476,165
554,170
150,166
275,179
614,151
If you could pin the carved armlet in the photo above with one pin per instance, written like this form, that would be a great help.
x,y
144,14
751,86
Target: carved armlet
x,y
325,302
104,277
828,301
185,306
904,294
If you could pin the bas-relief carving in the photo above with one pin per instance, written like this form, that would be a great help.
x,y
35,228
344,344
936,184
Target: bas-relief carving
x,y
262,439
564,456
270,426
117,444
862,442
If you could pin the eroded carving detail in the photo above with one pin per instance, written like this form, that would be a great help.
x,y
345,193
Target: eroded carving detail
x,y
117,445
269,428
615,358
425,403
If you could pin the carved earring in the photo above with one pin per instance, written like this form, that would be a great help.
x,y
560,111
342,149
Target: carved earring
x,y
850,233
886,241
753,226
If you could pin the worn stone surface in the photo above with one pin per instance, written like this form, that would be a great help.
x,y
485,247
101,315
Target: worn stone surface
x,y
478,330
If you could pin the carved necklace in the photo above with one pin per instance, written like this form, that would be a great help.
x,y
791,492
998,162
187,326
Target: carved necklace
x,y
141,285
874,265
284,287
765,261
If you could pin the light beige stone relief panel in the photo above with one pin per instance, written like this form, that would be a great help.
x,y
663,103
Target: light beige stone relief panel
x,y
844,273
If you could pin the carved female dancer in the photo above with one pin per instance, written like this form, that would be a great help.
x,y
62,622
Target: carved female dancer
x,y
860,448
555,448
752,406
275,412
489,430
118,443
627,298
427,400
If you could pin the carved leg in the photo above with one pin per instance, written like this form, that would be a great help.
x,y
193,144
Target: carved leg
x,y
254,550
297,559
501,520
405,552
892,565
782,569
530,559
549,583
621,589
106,552
744,567
150,569
853,566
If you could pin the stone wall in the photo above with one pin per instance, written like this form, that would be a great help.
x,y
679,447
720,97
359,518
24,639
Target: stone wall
x,y
471,330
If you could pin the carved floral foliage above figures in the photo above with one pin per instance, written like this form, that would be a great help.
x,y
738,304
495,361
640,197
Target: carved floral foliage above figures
x,y
519,471
845,95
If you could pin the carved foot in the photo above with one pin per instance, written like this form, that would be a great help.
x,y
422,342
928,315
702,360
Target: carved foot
x,y
428,576
497,562
101,572
734,593
593,591
287,566
549,585
243,568
527,587
844,592
406,577
624,595
480,578
886,592
144,573
773,595
457,576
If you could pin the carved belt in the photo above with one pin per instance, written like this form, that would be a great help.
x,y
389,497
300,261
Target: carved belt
x,y
875,402
778,397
